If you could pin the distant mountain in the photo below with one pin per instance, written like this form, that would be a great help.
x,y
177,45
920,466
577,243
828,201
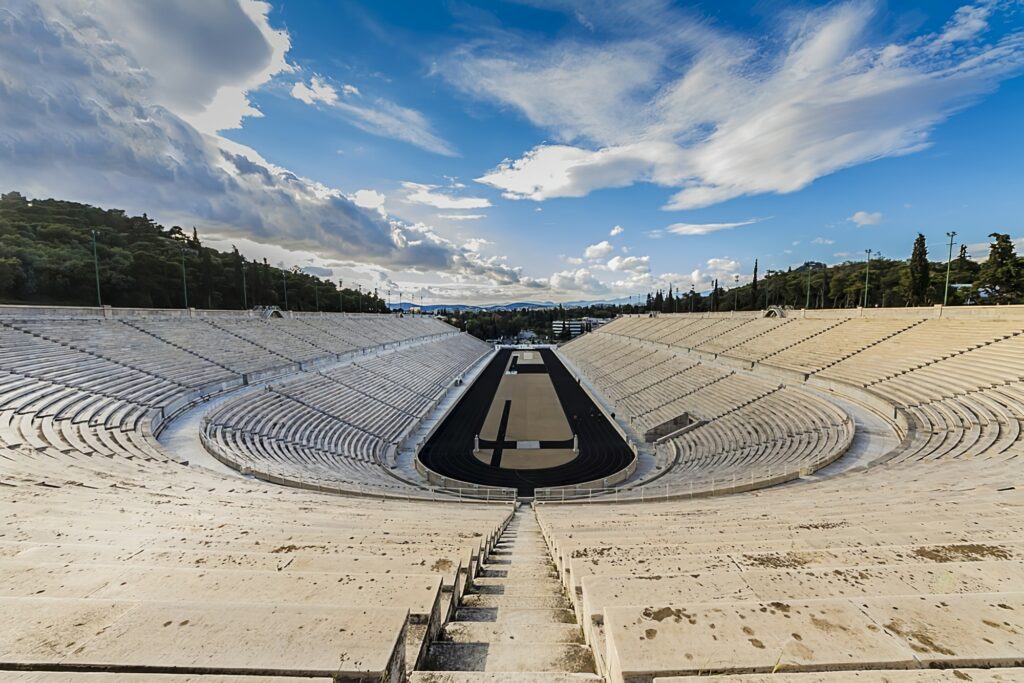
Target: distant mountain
x,y
513,306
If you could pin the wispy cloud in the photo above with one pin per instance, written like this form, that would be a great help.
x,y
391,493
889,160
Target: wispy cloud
x,y
431,195
738,116
687,229
377,116
822,240
461,216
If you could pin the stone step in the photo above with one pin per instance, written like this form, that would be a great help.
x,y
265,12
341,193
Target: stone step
x,y
500,677
530,585
515,632
514,572
525,601
514,615
560,657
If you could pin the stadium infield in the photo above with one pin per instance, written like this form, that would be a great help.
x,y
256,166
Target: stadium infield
x,y
526,408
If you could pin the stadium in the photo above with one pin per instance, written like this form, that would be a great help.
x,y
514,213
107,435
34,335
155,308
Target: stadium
x,y
511,341
230,496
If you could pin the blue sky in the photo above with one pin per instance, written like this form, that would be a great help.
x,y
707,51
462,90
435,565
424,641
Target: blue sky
x,y
499,151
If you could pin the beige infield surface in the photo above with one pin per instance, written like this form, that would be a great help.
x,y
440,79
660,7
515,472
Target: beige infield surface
x,y
535,414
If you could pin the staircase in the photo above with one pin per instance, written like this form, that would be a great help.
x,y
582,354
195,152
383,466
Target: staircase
x,y
514,622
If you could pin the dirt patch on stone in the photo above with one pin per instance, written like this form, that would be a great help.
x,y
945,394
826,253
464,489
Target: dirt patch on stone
x,y
777,560
964,552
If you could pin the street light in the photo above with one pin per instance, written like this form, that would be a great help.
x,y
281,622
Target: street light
x,y
692,294
736,284
949,260
184,280
96,267
284,279
245,296
341,295
316,293
867,271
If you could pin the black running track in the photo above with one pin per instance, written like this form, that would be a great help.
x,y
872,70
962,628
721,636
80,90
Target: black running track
x,y
450,450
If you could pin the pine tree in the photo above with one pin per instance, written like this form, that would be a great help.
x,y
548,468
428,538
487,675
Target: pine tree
x,y
1000,275
920,272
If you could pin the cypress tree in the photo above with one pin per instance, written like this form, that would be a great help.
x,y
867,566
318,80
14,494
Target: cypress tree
x,y
920,272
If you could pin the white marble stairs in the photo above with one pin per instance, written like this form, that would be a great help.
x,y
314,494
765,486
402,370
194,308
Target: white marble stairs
x,y
514,622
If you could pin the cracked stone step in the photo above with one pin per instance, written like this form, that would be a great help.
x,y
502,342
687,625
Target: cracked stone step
x,y
559,657
509,600
515,632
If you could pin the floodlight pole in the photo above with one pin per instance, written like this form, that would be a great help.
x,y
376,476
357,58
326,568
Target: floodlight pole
x,y
284,279
341,296
949,261
96,268
316,293
807,302
245,296
184,280
735,293
867,269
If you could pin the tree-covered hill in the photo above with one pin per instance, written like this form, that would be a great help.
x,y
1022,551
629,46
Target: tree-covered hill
x,y
46,257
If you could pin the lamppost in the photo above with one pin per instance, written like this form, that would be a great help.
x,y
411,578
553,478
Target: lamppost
x,y
245,296
341,295
949,260
184,280
867,271
316,293
693,293
807,303
359,288
284,279
96,268
736,285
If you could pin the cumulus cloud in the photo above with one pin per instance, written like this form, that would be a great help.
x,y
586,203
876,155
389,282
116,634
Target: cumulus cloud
x,y
822,240
863,218
377,117
673,101
82,118
599,250
368,199
419,193
616,231
579,280
636,264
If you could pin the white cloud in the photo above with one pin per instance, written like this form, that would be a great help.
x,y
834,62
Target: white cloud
x,y
377,116
701,228
862,218
738,116
822,240
462,216
368,199
318,91
841,254
637,264
572,260
204,63
419,193
475,244
579,280
616,231
84,119
599,250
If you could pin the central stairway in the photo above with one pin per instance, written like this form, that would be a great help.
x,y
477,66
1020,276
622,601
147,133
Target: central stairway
x,y
514,622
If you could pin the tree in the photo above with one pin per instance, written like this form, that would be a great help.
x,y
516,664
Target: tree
x,y
920,274
1000,276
